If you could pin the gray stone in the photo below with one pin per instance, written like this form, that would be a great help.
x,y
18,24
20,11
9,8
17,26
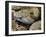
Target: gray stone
x,y
36,26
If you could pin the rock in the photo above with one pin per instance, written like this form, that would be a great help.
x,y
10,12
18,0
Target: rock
x,y
16,8
36,26
34,13
13,25
20,27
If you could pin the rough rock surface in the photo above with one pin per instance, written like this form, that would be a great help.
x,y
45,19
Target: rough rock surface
x,y
36,25
20,27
